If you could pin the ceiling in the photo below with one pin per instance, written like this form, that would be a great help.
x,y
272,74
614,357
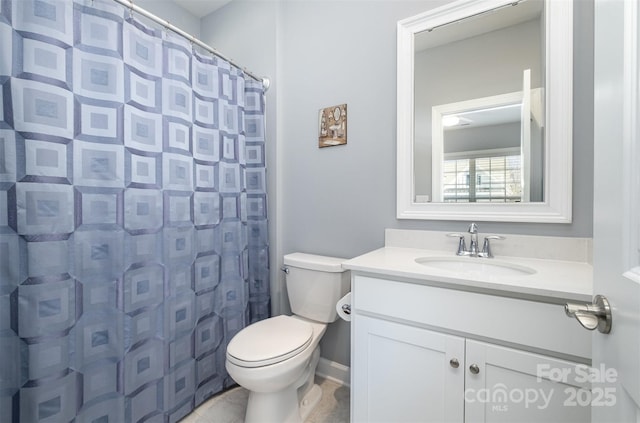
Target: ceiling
x,y
201,8
501,17
498,115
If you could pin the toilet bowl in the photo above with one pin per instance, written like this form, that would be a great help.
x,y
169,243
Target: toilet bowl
x,y
275,359
273,382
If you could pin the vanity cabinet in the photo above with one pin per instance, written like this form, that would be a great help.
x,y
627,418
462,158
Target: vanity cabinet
x,y
509,386
401,373
425,353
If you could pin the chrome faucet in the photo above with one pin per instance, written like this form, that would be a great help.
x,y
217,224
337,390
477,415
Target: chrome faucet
x,y
473,245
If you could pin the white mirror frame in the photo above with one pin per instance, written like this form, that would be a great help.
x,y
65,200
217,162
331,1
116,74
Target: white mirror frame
x,y
558,130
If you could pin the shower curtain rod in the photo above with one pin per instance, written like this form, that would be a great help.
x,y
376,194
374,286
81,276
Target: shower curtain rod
x,y
166,24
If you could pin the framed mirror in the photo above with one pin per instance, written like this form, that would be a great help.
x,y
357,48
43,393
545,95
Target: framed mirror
x,y
485,112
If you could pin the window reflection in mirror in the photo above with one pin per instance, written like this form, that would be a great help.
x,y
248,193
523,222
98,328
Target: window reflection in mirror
x,y
492,153
482,155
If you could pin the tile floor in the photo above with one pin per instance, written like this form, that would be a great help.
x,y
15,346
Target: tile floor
x,y
229,407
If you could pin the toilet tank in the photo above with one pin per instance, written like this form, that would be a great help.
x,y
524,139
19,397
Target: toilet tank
x,y
315,284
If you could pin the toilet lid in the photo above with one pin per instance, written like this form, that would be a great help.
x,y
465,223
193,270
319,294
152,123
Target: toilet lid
x,y
269,341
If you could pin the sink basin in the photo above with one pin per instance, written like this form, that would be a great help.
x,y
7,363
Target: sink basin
x,y
475,265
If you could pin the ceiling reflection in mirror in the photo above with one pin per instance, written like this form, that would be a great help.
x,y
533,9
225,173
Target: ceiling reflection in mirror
x,y
479,108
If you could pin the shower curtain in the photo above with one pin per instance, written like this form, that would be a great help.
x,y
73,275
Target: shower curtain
x,y
133,227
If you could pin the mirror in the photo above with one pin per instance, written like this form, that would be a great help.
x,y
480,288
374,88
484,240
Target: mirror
x,y
484,112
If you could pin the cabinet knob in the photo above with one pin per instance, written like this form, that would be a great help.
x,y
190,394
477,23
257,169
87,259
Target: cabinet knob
x,y
474,369
454,363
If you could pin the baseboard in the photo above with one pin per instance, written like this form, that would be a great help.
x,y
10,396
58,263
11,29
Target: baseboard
x,y
334,371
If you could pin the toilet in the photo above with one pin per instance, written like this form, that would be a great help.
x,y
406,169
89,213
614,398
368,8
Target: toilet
x,y
275,359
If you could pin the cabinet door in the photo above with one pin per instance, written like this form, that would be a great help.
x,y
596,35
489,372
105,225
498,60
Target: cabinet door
x,y
514,386
403,373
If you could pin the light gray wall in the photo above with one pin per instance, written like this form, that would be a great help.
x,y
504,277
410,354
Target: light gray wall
x,y
338,200
476,138
176,15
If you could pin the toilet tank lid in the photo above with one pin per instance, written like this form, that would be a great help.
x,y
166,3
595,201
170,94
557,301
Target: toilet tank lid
x,y
314,262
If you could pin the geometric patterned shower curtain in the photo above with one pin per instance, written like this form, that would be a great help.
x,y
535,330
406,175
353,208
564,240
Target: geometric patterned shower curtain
x,y
133,227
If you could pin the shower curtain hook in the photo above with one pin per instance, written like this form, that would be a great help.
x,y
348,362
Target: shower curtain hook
x,y
130,9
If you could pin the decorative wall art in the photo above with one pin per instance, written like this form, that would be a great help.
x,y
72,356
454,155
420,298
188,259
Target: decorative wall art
x,y
332,126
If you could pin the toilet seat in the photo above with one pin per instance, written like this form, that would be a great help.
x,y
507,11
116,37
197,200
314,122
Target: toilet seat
x,y
269,341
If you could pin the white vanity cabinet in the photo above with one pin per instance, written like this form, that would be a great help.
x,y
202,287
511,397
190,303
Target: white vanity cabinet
x,y
400,373
509,387
424,353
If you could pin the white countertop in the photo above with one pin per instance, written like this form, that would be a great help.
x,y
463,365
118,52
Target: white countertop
x,y
554,279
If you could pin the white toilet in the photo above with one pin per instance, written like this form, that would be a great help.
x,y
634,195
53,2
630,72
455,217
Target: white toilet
x,y
275,359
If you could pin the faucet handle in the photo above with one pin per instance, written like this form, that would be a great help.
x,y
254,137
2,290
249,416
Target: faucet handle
x,y
462,246
486,246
